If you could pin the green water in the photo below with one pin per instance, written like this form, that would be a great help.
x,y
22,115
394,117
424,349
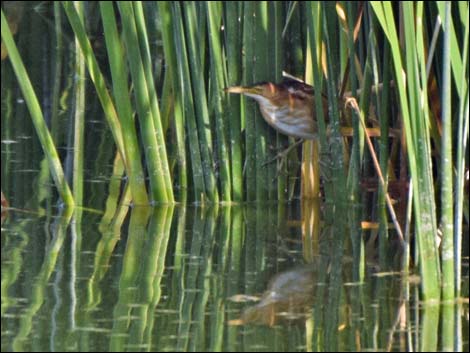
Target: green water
x,y
163,282
199,279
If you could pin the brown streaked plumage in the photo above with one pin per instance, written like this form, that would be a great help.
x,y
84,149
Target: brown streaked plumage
x,y
287,106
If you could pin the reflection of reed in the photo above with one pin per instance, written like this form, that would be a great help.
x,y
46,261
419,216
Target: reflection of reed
x,y
38,292
142,272
310,225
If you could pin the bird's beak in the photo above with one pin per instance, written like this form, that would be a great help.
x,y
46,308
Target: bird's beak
x,y
243,90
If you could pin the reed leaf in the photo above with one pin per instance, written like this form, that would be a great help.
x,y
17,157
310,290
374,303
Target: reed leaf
x,y
214,17
193,32
201,192
123,130
157,121
147,112
36,115
233,52
446,169
176,103
249,108
417,139
79,121
461,147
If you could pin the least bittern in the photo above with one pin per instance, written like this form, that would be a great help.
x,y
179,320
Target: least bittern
x,y
287,106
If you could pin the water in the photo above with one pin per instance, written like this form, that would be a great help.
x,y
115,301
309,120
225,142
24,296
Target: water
x,y
198,279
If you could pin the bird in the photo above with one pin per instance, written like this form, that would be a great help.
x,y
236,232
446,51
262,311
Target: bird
x,y
287,106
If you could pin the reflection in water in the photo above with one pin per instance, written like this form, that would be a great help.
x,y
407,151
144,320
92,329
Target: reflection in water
x,y
289,296
164,279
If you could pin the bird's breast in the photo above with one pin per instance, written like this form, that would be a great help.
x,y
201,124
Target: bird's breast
x,y
290,121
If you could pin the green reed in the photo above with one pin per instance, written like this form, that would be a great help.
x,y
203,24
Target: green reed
x,y
37,117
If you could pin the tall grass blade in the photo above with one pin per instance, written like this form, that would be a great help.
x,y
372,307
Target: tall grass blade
x,y
201,192
461,147
146,111
416,139
446,169
214,17
233,52
126,143
176,103
36,115
193,33
79,120
249,108
154,107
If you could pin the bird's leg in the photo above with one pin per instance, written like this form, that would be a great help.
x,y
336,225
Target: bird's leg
x,y
283,155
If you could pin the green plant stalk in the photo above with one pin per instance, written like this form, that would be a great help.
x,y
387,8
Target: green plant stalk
x,y
422,142
461,147
172,73
249,107
201,194
447,226
167,100
455,56
96,75
193,33
214,16
359,141
365,95
338,179
274,72
130,148
156,172
384,109
58,66
36,115
201,15
261,73
123,104
295,44
428,257
276,52
159,132
79,121
314,22
233,56
357,150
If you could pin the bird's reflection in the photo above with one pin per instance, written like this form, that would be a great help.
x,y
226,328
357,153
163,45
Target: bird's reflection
x,y
289,297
